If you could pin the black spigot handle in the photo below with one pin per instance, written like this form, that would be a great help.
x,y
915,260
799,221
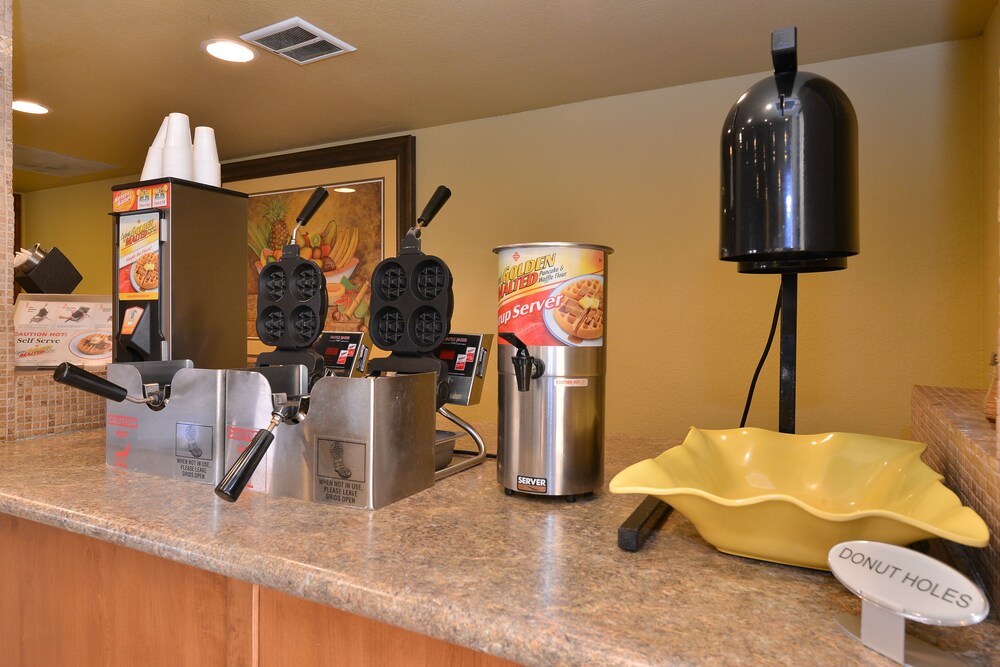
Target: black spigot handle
x,y
319,196
437,200
76,377
522,371
783,50
514,340
239,475
526,367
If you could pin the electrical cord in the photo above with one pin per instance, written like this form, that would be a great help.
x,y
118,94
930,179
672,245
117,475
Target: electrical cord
x,y
763,358
463,452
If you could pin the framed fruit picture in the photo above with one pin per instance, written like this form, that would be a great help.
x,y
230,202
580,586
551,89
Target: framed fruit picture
x,y
369,208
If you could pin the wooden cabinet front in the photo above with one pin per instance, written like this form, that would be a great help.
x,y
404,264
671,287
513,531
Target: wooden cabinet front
x,y
68,599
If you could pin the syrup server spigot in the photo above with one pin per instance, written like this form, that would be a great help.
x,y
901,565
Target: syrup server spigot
x,y
526,367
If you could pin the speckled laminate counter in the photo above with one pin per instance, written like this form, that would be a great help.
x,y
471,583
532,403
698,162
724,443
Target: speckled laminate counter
x,y
538,581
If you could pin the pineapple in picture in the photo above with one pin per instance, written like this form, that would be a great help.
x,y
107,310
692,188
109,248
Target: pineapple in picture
x,y
275,211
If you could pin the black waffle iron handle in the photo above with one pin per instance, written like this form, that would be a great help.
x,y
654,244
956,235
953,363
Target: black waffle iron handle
x,y
319,196
437,200
239,475
411,242
526,367
74,376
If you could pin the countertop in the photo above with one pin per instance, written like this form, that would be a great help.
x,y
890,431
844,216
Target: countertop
x,y
535,580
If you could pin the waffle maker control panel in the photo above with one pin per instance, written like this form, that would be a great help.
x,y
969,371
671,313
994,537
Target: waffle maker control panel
x,y
345,353
465,357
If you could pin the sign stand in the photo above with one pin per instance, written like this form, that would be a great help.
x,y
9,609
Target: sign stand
x,y
896,584
891,639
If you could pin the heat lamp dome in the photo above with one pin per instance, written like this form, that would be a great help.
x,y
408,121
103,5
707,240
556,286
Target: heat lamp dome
x,y
789,177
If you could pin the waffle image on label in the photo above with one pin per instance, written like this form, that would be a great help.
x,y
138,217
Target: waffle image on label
x,y
581,313
146,271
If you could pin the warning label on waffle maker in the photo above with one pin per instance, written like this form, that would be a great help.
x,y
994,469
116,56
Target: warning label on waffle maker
x,y
193,452
340,472
552,295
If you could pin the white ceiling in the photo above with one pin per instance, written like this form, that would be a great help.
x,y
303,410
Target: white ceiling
x,y
111,70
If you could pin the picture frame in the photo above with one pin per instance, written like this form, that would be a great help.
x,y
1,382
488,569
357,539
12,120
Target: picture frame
x,y
389,162
401,150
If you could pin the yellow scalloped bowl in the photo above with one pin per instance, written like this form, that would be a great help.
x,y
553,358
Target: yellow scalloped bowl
x,y
789,498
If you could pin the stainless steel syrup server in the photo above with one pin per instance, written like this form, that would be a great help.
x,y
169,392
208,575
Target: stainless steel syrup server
x,y
551,368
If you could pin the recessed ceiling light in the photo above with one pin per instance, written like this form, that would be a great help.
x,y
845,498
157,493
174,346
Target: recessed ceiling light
x,y
345,190
228,50
28,107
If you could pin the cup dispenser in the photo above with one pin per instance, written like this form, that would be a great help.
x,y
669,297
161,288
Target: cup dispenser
x,y
179,269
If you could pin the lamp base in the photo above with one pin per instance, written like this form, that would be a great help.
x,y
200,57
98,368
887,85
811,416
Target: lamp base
x,y
793,265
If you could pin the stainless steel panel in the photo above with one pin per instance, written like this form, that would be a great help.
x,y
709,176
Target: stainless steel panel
x,y
403,428
248,409
550,439
561,361
365,442
184,440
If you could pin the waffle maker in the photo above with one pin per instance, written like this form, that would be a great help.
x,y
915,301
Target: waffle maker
x,y
292,302
291,308
411,305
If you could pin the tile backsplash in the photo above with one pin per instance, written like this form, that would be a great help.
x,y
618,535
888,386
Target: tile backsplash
x,y
42,406
962,446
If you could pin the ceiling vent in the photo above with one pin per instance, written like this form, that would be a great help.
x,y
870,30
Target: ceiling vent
x,y
299,41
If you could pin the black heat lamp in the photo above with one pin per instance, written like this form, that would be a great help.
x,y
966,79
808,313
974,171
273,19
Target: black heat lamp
x,y
789,188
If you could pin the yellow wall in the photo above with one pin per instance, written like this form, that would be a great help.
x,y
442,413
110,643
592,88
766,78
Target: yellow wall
x,y
991,181
641,173
75,219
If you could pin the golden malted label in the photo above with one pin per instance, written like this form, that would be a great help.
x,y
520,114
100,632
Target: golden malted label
x,y
552,294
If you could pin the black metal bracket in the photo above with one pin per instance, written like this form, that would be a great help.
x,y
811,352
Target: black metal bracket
x,y
647,517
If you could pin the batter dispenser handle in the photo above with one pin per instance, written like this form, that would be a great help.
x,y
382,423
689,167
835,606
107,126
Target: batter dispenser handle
x,y
526,367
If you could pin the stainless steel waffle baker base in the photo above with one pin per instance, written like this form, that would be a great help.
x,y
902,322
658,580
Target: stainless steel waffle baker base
x,y
183,439
365,442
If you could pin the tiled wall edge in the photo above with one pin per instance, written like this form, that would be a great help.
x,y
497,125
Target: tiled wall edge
x,y
962,446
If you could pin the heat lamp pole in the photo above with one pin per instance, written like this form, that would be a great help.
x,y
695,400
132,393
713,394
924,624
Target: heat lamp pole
x,y
786,381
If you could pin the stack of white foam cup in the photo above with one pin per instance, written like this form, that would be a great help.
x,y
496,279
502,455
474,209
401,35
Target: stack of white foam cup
x,y
172,153
153,168
205,162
